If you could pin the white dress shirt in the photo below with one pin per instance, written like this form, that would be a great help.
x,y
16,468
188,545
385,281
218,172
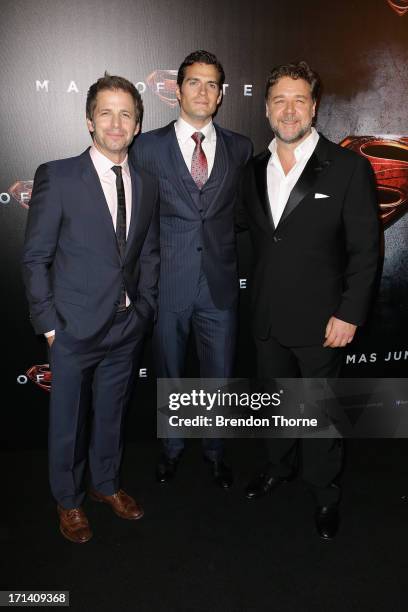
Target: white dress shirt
x,y
187,145
107,177
281,185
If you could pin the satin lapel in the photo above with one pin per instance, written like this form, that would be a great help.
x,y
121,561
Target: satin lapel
x,y
316,164
260,172
137,199
221,164
96,195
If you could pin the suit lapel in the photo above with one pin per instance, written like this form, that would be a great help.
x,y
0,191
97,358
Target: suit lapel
x,y
178,173
260,174
137,199
97,197
220,167
316,164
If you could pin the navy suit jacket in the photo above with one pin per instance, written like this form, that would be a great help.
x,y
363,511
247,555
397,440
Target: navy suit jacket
x,y
72,268
196,227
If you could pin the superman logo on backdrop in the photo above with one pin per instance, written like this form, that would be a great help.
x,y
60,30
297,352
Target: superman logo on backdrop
x,y
40,375
399,6
21,192
163,83
389,159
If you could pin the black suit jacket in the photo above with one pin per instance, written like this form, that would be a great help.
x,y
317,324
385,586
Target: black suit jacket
x,y
72,267
322,258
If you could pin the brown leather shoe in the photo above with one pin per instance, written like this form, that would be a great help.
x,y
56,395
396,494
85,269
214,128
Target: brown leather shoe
x,y
121,503
74,525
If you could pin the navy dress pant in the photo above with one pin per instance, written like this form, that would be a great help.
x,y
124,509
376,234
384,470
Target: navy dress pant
x,y
99,380
215,335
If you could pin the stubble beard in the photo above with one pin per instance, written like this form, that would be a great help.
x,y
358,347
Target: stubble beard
x,y
295,138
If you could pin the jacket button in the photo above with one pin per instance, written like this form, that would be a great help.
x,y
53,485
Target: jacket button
x,y
277,239
199,248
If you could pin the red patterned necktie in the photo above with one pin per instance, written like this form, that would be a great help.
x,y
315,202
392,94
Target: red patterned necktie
x,y
199,166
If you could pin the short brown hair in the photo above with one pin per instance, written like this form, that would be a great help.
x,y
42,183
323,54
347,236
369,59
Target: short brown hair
x,y
295,70
113,82
201,57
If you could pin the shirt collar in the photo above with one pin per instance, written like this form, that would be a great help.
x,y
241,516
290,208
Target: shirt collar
x,y
103,165
303,150
184,131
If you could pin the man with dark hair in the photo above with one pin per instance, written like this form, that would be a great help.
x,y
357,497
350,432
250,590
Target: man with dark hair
x,y
312,213
91,265
198,165
201,57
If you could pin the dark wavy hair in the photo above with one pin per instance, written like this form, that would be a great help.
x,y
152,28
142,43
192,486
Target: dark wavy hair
x,y
295,70
113,82
201,57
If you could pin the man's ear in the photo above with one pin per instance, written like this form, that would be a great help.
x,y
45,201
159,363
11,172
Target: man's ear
x,y
137,129
90,125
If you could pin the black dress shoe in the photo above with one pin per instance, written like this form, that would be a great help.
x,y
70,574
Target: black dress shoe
x,y
166,468
221,473
262,485
327,521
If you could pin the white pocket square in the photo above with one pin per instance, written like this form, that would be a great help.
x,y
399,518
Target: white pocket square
x,y
321,195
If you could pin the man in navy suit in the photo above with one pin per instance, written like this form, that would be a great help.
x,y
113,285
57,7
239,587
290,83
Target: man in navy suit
x,y
91,265
198,165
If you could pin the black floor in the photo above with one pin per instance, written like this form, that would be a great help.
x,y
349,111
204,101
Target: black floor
x,y
202,549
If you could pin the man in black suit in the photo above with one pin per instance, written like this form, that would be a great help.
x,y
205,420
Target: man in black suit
x,y
312,213
198,165
91,265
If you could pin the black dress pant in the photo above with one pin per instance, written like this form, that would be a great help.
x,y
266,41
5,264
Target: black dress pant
x,y
319,459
